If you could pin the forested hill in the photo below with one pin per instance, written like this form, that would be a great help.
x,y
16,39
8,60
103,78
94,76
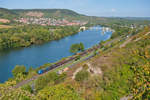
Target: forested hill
x,y
69,15
48,12
8,14
54,13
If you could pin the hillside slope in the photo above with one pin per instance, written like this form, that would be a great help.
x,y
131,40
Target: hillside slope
x,y
69,15
7,14
123,70
54,13
120,70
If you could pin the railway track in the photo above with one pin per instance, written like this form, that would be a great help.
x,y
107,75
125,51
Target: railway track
x,y
58,65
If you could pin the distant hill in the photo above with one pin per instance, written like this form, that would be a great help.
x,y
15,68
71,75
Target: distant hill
x,y
69,15
49,12
54,13
7,14
138,18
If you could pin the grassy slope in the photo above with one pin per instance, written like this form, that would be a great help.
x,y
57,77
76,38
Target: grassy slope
x,y
117,66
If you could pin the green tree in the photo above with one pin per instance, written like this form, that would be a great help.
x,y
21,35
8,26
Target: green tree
x,y
18,70
76,47
81,47
27,88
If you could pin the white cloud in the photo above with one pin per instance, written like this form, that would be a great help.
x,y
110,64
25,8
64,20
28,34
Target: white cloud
x,y
113,10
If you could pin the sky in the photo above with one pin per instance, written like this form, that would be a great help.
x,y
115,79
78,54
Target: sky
x,y
106,8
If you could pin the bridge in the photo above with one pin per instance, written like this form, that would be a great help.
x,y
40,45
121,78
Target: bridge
x,y
82,28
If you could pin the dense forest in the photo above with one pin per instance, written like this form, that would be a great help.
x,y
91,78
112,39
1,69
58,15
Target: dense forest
x,y
23,36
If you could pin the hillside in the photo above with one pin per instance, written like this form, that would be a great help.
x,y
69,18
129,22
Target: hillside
x,y
69,15
49,12
54,13
7,14
119,70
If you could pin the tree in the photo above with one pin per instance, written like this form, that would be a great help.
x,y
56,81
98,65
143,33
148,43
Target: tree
x,y
18,69
27,35
27,88
81,46
76,47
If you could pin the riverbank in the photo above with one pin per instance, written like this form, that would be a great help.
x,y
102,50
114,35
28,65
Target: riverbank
x,y
27,35
38,55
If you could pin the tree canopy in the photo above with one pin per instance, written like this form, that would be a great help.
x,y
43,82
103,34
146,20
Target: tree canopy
x,y
76,47
23,36
18,69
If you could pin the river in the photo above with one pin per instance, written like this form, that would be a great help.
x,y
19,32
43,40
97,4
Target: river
x,y
37,55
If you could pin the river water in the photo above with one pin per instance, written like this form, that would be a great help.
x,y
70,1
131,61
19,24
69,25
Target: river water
x,y
37,55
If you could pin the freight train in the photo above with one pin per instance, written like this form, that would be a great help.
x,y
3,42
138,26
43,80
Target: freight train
x,y
41,71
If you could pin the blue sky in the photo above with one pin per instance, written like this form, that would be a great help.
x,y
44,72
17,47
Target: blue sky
x,y
121,8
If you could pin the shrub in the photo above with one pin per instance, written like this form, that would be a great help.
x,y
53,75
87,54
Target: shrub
x,y
18,69
82,75
51,77
58,92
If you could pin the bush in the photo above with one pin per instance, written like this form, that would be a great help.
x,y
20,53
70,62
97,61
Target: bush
x,y
85,66
18,69
58,92
82,75
51,77
28,88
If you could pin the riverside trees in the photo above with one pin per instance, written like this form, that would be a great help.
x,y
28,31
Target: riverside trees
x,y
23,36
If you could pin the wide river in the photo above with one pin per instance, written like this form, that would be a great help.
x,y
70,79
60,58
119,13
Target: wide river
x,y
37,55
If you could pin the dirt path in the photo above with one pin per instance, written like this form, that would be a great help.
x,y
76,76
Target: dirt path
x,y
107,43
26,81
140,37
74,74
125,43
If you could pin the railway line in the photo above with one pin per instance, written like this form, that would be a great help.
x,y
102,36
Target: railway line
x,y
58,64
